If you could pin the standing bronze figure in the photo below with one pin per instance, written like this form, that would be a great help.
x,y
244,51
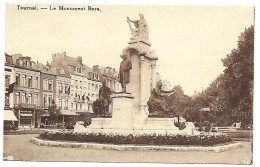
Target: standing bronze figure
x,y
104,98
124,71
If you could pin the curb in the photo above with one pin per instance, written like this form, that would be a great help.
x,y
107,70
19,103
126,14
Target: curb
x,y
223,148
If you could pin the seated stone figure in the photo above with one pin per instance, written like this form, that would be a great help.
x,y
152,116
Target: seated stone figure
x,y
157,102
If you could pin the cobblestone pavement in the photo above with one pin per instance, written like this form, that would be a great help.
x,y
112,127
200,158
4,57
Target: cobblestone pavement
x,y
20,148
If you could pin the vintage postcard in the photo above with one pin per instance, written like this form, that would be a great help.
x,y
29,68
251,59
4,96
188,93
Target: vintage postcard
x,y
128,83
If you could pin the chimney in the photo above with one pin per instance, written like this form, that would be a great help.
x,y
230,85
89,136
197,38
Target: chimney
x,y
95,68
53,57
63,55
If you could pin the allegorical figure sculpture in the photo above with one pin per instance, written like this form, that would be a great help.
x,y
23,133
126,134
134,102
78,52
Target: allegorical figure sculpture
x,y
157,102
124,71
104,98
141,28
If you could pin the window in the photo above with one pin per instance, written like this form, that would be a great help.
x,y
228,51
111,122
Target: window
x,y
27,63
80,106
60,87
50,85
66,88
60,103
17,97
45,84
26,98
17,79
50,99
71,105
92,88
36,99
45,101
23,80
80,84
76,84
30,81
78,69
7,100
36,82
76,106
88,86
95,75
23,98
66,105
7,80
29,98
7,69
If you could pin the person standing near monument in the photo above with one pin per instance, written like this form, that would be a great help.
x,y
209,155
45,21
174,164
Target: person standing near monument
x,y
104,97
124,71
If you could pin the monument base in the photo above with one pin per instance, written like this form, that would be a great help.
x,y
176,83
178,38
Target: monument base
x,y
128,120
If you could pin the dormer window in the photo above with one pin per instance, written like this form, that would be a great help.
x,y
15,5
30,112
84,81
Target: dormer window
x,y
27,63
78,69
95,75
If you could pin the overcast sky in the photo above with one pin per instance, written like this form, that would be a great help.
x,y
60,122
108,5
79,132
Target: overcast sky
x,y
189,41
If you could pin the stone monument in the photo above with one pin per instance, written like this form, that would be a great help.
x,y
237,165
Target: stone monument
x,y
137,77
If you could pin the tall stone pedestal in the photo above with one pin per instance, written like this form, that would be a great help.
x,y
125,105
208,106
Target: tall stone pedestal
x,y
123,111
142,75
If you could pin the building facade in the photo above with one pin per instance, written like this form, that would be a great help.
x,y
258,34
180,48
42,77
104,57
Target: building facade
x,y
66,81
9,79
26,93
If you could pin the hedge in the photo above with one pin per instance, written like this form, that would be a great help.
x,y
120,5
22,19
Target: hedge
x,y
204,139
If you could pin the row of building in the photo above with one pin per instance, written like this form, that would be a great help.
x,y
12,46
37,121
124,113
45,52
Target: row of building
x,y
31,87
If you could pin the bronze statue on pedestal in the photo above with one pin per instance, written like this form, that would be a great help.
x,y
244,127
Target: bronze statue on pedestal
x,y
124,71
104,97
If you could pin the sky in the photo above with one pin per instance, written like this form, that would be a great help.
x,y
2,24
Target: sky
x,y
190,41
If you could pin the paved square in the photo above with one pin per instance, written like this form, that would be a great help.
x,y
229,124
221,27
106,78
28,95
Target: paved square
x,y
21,148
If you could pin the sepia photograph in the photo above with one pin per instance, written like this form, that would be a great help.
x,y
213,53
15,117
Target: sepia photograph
x,y
128,83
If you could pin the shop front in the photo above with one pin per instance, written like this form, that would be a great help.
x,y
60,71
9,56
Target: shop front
x,y
28,116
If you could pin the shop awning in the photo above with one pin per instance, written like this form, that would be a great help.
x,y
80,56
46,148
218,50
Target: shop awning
x,y
9,115
64,112
83,112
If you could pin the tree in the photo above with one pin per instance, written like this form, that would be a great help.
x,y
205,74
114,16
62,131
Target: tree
x,y
54,112
239,73
230,96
